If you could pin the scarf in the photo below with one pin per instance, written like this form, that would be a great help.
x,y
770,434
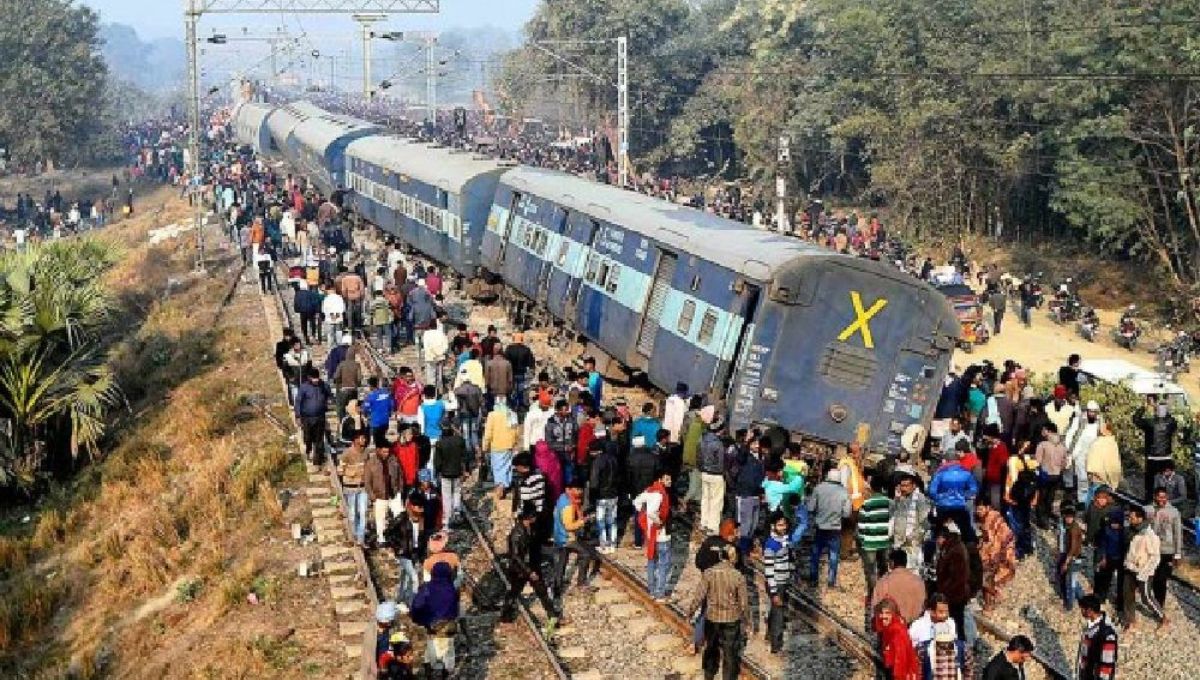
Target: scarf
x,y
664,513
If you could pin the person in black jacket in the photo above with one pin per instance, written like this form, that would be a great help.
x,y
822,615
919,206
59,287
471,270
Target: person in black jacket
x,y
307,304
523,365
1009,663
1159,432
747,489
604,491
282,347
409,538
312,401
523,569
449,462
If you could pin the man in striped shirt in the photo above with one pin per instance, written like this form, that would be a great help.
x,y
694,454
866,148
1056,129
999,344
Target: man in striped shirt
x,y
1097,658
874,532
777,568
532,491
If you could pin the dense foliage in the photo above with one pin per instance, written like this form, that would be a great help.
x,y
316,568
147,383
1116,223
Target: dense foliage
x,y
55,383
1016,119
52,82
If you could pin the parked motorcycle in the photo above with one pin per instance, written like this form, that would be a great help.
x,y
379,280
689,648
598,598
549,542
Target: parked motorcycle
x,y
1089,324
1126,333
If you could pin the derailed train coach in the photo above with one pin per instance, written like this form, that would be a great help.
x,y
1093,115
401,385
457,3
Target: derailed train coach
x,y
250,126
828,347
786,335
433,198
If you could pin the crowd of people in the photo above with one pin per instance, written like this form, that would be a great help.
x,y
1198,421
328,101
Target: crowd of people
x,y
584,473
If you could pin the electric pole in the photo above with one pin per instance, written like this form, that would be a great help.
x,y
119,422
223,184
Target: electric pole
x,y
192,19
367,20
623,111
782,162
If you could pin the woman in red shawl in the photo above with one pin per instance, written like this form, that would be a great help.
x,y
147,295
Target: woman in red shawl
x,y
899,657
545,460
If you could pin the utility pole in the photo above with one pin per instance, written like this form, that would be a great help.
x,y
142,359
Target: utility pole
x,y
623,111
194,9
782,161
367,20
192,19
431,67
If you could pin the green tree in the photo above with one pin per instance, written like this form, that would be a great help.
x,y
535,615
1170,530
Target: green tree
x,y
52,81
54,378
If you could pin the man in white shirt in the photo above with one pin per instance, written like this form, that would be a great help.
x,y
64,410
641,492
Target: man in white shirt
x,y
674,410
333,308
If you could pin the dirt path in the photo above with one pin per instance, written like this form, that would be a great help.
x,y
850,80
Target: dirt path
x,y
1046,346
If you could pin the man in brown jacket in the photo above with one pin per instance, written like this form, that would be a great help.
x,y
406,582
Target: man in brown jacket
x,y
902,586
351,467
498,376
346,378
381,479
354,290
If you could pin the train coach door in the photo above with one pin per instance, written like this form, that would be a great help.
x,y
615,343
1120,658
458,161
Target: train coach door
x,y
506,228
663,275
543,288
575,286
727,369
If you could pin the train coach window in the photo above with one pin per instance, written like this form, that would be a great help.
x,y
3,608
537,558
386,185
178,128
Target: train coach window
x,y
696,282
563,249
686,316
613,278
708,326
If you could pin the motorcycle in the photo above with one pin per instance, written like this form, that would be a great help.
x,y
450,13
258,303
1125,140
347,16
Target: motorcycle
x,y
1089,324
1064,310
1035,283
1126,333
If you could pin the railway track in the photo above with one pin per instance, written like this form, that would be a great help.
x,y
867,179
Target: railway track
x,y
620,599
353,591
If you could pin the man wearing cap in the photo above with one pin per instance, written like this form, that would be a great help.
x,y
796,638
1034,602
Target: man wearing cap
x,y
1083,433
1061,411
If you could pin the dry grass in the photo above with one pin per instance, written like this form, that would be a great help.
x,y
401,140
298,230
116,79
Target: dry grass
x,y
188,491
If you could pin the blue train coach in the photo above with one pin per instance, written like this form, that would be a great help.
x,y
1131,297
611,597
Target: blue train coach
x,y
317,147
435,199
250,126
825,346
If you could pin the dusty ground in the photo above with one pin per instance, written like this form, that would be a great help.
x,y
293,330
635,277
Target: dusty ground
x,y
172,556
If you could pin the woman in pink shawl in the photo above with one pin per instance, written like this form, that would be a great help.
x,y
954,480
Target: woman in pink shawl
x,y
545,460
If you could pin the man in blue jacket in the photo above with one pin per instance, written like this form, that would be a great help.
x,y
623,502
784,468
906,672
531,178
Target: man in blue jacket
x,y
379,411
953,490
312,400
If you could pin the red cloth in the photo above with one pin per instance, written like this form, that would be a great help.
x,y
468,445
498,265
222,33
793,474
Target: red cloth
x,y
406,396
409,460
664,514
587,435
997,464
896,648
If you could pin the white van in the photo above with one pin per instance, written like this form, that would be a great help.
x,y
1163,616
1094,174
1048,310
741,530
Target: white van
x,y
1143,382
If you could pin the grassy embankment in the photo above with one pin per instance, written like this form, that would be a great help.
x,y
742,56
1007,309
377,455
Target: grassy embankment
x,y
145,564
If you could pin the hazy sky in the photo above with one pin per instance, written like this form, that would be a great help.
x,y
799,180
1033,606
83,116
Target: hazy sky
x,y
164,18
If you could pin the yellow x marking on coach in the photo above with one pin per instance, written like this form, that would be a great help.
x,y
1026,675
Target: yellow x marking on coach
x,y
862,319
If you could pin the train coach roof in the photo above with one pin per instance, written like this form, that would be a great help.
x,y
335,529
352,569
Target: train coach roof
x,y
253,111
319,131
739,247
432,165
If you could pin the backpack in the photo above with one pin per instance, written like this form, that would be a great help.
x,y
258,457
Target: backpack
x,y
1026,485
